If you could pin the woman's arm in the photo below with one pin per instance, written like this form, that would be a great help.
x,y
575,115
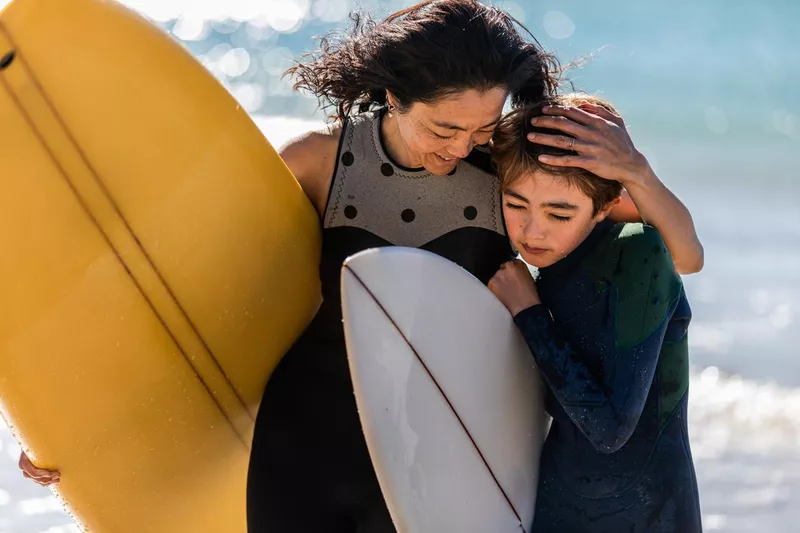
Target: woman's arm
x,y
656,205
312,160
604,147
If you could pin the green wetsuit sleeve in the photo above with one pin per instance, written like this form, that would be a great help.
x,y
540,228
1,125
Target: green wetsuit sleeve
x,y
643,293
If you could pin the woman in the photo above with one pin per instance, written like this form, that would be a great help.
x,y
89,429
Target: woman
x,y
406,174
606,322
414,96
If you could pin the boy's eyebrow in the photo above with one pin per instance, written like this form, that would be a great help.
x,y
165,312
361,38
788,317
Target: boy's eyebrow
x,y
560,205
449,126
518,196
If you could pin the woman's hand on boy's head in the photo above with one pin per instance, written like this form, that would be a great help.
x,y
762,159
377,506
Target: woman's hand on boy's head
x,y
514,286
599,139
602,112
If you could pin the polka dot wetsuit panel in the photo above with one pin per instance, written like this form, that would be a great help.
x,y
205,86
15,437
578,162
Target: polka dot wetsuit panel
x,y
310,469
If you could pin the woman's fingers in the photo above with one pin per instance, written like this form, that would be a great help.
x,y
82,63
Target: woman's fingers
x,y
576,161
602,112
43,480
38,475
563,124
558,141
574,114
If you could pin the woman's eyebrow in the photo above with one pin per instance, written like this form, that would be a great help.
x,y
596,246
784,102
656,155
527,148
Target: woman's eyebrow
x,y
449,126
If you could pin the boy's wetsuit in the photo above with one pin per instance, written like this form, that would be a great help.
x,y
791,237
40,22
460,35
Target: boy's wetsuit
x,y
610,339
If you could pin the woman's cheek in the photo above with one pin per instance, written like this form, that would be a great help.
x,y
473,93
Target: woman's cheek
x,y
421,144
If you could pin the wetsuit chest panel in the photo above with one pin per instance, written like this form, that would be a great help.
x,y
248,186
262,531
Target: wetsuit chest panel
x,y
402,206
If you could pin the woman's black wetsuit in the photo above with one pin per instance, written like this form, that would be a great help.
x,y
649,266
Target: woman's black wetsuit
x,y
310,470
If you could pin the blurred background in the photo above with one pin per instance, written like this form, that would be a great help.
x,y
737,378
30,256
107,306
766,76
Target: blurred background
x,y
709,91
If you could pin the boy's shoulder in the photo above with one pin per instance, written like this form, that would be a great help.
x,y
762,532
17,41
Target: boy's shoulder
x,y
637,240
635,263
630,250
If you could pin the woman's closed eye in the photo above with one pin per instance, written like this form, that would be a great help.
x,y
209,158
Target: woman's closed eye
x,y
436,135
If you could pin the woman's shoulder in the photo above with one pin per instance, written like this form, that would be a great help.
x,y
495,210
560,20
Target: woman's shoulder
x,y
311,157
318,141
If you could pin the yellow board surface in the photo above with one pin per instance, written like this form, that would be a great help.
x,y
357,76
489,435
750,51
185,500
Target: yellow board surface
x,y
157,260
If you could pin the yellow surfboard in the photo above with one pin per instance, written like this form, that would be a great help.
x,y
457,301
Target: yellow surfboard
x,y
156,260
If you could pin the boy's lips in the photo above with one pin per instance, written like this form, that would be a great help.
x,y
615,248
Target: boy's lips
x,y
534,250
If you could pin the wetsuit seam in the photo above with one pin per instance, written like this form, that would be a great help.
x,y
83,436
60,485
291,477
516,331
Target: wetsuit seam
x,y
495,194
694,490
672,414
375,137
684,428
340,188
346,129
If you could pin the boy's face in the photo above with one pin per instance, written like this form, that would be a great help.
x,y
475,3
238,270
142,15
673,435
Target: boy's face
x,y
547,217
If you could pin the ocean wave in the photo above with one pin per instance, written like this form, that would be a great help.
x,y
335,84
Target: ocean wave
x,y
730,414
745,438
727,414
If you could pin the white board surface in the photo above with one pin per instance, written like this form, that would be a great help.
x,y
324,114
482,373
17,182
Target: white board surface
x,y
448,393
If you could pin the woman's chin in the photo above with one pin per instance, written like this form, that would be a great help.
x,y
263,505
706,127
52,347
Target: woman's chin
x,y
438,166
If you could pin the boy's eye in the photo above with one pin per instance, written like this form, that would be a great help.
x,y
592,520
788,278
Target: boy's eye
x,y
560,218
514,206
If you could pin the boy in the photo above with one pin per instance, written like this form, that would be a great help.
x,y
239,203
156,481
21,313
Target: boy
x,y
606,321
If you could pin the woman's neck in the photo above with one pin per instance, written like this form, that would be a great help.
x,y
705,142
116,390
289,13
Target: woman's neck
x,y
394,145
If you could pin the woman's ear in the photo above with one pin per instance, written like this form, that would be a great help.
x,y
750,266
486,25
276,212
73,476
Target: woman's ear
x,y
391,101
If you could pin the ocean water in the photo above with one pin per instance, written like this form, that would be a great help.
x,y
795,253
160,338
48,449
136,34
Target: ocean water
x,y
709,92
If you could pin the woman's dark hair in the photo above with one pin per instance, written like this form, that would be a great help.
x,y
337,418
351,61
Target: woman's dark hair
x,y
423,53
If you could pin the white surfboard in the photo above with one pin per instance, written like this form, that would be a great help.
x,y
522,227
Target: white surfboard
x,y
449,397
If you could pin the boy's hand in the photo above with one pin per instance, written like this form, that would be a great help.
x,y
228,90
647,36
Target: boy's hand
x,y
514,286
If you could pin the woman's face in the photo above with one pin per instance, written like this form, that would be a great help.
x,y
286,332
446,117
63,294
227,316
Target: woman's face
x,y
436,136
547,217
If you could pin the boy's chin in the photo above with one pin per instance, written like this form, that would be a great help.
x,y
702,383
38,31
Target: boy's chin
x,y
540,261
